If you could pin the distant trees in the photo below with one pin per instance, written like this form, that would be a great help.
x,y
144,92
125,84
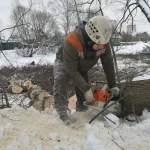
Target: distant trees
x,y
126,37
36,27
63,13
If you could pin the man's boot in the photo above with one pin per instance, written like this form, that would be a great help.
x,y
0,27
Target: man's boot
x,y
80,99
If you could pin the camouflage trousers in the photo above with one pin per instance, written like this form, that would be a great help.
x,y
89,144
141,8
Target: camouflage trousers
x,y
61,80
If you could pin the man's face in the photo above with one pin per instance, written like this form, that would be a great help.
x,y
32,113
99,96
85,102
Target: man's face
x,y
99,46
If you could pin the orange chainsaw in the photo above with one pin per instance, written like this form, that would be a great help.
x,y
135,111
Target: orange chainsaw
x,y
102,95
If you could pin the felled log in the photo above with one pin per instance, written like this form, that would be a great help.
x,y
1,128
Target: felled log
x,y
135,97
72,102
16,89
42,105
40,94
15,82
15,86
47,103
27,84
32,89
18,86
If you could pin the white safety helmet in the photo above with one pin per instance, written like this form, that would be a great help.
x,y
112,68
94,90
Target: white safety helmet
x,y
99,29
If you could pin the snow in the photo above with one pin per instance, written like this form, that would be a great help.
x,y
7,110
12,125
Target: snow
x,y
30,129
112,120
93,143
145,7
1,132
22,129
130,49
18,61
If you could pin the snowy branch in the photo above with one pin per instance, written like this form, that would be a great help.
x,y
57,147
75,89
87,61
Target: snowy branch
x,y
145,8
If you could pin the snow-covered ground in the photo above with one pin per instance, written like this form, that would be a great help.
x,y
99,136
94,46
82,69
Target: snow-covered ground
x,y
22,129
18,61
29,129
131,49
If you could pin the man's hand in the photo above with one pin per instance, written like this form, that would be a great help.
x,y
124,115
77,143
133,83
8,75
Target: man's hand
x,y
89,97
115,91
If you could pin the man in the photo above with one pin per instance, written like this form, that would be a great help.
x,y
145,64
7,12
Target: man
x,y
81,50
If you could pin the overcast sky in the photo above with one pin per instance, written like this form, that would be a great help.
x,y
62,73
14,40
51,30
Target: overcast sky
x,y
6,8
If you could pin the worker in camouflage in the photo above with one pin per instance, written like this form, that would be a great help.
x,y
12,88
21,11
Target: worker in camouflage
x,y
80,51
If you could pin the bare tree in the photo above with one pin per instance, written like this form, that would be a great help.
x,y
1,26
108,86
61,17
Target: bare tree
x,y
42,22
39,26
66,19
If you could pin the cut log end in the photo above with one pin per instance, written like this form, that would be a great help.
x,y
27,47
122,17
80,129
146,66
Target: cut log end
x,y
27,84
15,89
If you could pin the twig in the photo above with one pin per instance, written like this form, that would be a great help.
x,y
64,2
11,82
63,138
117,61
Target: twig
x,y
118,145
4,116
134,111
3,88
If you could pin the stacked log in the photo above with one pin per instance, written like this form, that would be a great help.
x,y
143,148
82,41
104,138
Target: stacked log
x,y
18,86
72,102
40,99
42,105
15,86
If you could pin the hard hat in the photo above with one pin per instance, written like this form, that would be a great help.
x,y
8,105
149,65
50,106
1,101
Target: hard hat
x,y
99,29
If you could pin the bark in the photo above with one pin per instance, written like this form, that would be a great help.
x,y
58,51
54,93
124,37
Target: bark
x,y
135,97
32,89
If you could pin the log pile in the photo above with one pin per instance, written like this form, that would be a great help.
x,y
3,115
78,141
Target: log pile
x,y
40,99
15,86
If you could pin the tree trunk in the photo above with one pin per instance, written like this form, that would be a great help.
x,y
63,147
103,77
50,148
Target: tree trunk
x,y
135,97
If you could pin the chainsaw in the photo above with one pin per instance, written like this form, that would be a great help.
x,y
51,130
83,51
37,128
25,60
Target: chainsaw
x,y
105,101
103,98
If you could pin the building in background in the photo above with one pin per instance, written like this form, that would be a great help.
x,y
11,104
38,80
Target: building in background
x,y
116,38
114,24
131,29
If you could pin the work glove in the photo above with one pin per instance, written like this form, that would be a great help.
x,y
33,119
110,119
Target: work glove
x,y
89,97
115,91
